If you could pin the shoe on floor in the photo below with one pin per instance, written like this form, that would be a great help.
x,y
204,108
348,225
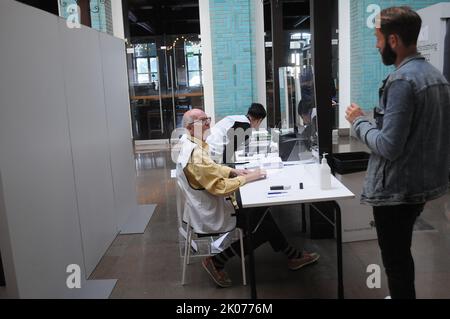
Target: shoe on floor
x,y
306,259
220,277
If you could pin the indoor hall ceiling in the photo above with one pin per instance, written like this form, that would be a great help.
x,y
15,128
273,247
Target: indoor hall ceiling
x,y
158,17
295,14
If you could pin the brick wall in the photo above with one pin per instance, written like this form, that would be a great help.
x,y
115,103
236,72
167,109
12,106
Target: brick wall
x,y
233,55
64,4
101,14
101,17
367,70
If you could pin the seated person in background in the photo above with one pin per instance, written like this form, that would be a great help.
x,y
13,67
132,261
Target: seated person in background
x,y
306,104
210,185
225,137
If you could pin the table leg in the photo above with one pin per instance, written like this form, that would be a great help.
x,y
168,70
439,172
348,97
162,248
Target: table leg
x,y
338,228
251,255
338,225
303,218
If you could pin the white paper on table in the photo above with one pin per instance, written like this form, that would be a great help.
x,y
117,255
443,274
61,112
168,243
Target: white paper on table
x,y
266,163
272,172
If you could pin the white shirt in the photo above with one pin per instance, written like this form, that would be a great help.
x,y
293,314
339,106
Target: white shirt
x,y
219,134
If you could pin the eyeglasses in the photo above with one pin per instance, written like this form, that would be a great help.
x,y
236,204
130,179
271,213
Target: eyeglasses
x,y
206,120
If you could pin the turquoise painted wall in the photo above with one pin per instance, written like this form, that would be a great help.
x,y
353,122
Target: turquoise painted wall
x,y
64,7
100,13
233,55
367,69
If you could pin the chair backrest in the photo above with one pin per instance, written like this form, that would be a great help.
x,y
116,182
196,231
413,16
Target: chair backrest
x,y
184,201
188,206
181,203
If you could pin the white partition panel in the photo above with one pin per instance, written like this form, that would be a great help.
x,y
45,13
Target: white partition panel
x,y
35,155
119,127
84,89
67,175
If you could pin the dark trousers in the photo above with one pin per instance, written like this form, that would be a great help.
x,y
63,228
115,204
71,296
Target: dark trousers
x,y
267,231
394,225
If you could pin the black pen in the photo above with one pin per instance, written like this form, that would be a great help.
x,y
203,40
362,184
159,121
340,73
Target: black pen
x,y
243,163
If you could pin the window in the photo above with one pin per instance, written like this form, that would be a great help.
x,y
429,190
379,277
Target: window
x,y
300,40
146,64
194,65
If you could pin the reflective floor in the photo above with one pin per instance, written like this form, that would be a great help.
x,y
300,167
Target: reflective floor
x,y
149,265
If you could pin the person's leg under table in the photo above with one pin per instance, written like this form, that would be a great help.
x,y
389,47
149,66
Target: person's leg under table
x,y
259,228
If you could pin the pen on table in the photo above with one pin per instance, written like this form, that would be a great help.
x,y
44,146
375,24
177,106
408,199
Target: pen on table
x,y
276,193
237,163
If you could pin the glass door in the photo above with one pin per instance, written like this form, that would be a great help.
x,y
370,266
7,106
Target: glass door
x,y
167,82
185,83
145,92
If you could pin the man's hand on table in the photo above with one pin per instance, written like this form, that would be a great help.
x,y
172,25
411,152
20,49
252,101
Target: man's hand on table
x,y
238,172
255,175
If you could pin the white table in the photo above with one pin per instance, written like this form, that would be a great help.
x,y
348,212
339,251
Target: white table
x,y
255,195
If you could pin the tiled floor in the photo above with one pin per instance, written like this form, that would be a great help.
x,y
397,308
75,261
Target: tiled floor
x,y
149,265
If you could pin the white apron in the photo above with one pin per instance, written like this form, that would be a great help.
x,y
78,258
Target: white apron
x,y
209,214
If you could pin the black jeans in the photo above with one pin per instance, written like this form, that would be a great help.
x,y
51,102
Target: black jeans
x,y
267,231
394,225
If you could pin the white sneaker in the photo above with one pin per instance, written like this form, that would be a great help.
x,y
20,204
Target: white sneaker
x,y
388,297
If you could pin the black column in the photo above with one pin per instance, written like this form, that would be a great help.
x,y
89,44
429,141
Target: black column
x,y
447,53
277,56
126,20
321,17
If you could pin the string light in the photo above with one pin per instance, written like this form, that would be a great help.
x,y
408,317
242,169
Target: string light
x,y
186,40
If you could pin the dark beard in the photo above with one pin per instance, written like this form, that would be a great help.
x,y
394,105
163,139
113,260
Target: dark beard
x,y
388,55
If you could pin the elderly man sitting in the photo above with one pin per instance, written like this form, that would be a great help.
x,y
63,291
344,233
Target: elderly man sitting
x,y
210,185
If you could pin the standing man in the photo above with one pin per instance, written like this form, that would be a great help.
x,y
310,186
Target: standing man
x,y
409,143
232,131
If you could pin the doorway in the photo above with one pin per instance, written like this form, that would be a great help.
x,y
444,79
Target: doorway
x,y
165,82
165,66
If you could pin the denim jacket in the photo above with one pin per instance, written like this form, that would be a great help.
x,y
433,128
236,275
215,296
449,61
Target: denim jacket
x,y
410,139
